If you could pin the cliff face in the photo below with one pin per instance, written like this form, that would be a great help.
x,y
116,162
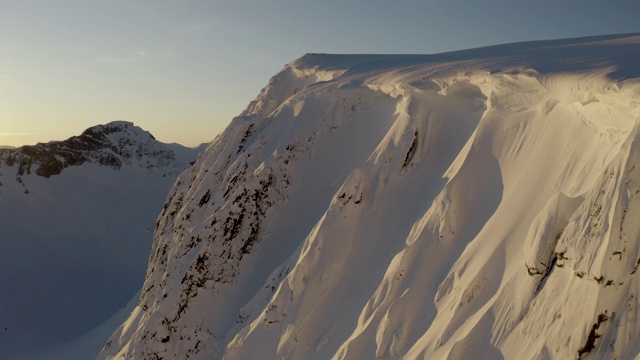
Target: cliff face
x,y
477,204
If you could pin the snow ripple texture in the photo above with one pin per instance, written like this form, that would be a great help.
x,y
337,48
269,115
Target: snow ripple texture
x,y
475,204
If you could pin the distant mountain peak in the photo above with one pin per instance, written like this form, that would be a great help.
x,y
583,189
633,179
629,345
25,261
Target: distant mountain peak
x,y
118,127
115,144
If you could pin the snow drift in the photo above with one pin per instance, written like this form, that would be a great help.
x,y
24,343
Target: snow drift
x,y
474,204
75,229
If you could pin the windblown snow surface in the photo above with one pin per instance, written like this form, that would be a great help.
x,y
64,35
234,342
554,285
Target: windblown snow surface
x,y
76,224
475,204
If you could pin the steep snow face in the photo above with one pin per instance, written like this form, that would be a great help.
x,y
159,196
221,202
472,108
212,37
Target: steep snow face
x,y
76,223
477,204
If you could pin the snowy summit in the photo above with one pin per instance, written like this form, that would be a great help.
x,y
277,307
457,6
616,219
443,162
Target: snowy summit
x,y
473,204
114,144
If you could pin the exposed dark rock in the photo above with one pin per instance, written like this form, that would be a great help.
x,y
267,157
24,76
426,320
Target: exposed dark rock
x,y
593,335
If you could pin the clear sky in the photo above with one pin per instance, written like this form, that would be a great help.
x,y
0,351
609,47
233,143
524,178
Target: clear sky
x,y
183,68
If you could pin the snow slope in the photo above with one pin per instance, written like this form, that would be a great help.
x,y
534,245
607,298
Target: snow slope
x,y
76,220
475,204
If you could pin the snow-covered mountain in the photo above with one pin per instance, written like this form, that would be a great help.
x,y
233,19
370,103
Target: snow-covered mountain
x,y
76,223
474,204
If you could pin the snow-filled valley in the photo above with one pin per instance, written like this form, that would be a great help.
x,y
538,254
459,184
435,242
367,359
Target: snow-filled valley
x,y
476,204
76,223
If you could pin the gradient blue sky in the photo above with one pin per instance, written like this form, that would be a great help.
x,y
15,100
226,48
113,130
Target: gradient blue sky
x,y
183,69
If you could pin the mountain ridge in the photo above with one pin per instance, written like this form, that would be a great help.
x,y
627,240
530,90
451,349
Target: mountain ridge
x,y
112,145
